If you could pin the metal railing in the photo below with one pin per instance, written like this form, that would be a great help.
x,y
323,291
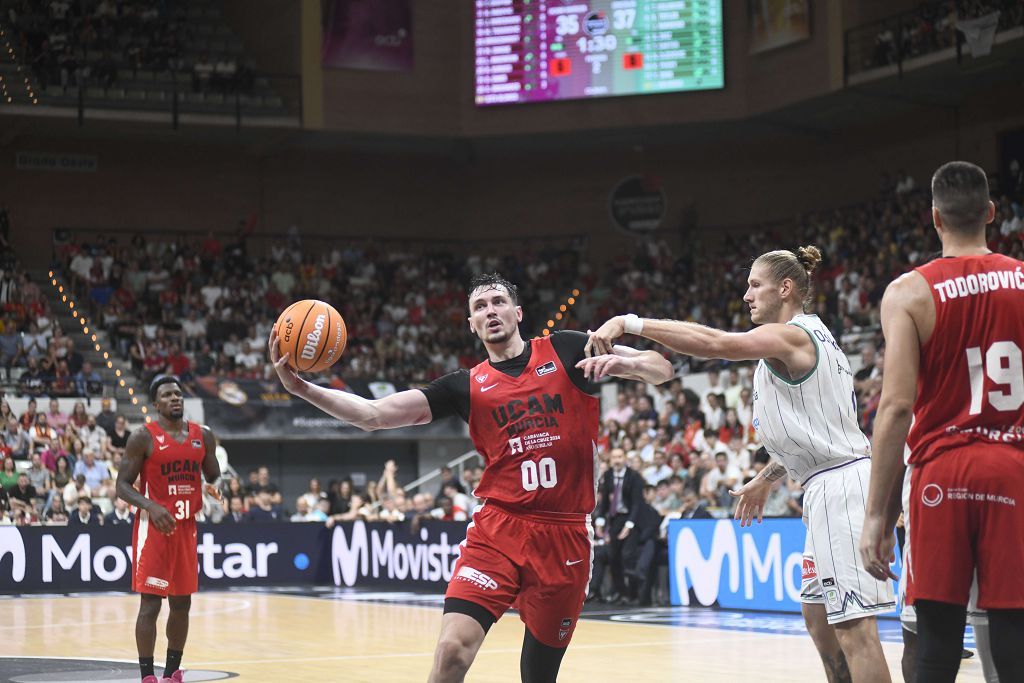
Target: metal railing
x,y
457,465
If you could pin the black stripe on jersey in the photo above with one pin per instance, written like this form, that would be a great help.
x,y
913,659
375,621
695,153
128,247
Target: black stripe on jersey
x,y
828,432
853,540
838,407
864,498
783,422
828,527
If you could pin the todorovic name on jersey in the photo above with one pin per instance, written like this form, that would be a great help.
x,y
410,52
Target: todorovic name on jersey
x,y
980,283
517,416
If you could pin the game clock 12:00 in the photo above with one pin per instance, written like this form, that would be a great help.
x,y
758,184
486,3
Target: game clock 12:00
x,y
543,50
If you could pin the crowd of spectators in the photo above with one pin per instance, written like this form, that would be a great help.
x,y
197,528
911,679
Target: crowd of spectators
x,y
31,339
931,27
382,500
95,42
204,306
72,459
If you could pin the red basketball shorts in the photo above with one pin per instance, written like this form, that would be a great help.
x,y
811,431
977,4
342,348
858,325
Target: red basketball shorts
x,y
164,565
538,563
967,515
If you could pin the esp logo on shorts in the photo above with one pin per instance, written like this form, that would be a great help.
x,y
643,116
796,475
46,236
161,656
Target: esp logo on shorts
x,y
476,578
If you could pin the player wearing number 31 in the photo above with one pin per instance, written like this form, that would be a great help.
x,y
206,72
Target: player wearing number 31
x,y
534,419
954,331
805,412
168,458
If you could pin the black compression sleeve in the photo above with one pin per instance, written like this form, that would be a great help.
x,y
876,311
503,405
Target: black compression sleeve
x,y
569,345
539,663
470,609
449,395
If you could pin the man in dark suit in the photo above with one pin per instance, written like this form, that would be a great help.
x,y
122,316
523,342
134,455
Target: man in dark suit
x,y
236,513
638,552
692,507
620,494
86,515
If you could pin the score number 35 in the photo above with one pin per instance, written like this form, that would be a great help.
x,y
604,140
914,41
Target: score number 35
x,y
569,24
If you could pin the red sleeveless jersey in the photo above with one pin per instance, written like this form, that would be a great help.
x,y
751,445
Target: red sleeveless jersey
x,y
537,434
172,474
970,387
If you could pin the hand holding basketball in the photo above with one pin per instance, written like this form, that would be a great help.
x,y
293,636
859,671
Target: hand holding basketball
x,y
310,336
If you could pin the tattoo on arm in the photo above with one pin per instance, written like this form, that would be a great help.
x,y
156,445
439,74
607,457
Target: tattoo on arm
x,y
836,669
774,471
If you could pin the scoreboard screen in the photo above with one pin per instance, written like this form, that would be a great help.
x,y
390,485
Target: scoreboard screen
x,y
542,50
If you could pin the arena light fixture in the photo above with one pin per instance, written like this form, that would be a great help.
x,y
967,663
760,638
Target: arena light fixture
x,y
562,312
68,298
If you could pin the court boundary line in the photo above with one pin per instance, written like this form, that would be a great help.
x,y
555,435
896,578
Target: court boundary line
x,y
246,604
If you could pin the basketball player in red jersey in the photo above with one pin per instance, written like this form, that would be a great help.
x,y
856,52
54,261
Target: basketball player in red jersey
x,y
534,419
167,458
954,331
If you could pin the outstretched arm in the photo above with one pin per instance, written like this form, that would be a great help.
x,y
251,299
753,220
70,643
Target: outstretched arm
x,y
628,363
397,410
786,343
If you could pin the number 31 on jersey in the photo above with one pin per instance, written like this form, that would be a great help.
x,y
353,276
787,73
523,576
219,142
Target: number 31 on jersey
x,y
182,509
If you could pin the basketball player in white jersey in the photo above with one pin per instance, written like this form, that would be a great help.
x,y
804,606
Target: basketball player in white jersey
x,y
805,413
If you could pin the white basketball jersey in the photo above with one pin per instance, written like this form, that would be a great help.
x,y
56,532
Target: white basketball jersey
x,y
810,424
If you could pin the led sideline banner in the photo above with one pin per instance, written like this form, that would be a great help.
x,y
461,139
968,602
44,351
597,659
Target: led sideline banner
x,y
716,562
59,559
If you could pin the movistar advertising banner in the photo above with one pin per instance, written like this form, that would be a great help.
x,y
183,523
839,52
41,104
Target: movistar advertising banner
x,y
61,559
716,562
56,559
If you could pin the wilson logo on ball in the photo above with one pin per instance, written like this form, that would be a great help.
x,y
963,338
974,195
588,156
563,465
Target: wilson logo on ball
x,y
313,335
313,338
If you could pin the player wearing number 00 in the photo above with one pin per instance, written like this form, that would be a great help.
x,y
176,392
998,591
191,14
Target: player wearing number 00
x,y
805,413
534,419
169,458
954,331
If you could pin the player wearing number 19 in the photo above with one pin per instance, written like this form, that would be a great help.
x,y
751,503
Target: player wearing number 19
x,y
954,331
534,419
167,457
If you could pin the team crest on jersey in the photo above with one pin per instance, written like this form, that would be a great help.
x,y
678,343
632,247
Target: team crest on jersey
x,y
481,378
196,443
159,438
546,369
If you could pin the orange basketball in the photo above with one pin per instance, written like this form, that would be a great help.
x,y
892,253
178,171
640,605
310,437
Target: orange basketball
x,y
313,333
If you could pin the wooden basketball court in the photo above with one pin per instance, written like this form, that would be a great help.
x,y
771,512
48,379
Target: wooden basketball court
x,y
264,636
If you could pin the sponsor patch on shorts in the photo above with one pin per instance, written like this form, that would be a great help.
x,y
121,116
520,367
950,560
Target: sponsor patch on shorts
x,y
828,582
156,583
809,570
477,578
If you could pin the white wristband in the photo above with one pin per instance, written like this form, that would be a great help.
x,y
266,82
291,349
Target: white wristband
x,y
633,323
